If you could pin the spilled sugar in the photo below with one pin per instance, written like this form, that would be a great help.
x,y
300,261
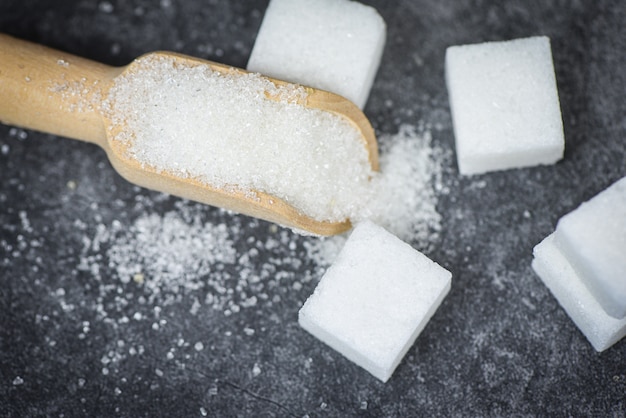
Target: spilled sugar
x,y
141,275
403,195
222,130
179,250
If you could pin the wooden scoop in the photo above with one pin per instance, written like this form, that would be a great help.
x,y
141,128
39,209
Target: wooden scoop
x,y
58,93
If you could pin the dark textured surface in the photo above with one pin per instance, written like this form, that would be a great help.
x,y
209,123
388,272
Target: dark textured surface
x,y
499,344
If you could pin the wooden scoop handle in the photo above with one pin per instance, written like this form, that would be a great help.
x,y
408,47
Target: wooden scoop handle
x,y
52,91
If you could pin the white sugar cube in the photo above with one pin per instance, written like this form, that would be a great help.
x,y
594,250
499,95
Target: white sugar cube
x,y
505,105
555,270
375,299
593,239
333,45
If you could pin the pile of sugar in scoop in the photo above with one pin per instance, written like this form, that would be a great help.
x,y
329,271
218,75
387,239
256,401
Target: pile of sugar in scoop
x,y
223,130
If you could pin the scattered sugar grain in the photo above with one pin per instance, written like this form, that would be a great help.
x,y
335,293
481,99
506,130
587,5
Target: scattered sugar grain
x,y
170,251
116,49
18,381
78,95
186,254
225,132
195,307
105,7
138,278
256,370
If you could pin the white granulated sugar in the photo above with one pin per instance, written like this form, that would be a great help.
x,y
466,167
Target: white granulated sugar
x,y
375,299
189,260
593,239
181,254
77,95
224,131
170,251
601,329
333,45
404,193
404,200
204,261
505,105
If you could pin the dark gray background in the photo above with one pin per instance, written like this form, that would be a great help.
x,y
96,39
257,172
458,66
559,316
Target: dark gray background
x,y
499,344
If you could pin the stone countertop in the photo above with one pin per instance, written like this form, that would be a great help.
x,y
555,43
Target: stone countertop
x,y
77,340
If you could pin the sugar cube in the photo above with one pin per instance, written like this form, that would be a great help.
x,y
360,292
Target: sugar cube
x,y
555,270
376,298
505,105
593,239
333,45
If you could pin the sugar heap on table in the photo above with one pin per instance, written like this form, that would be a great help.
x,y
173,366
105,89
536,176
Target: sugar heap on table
x,y
583,263
376,298
505,105
333,45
